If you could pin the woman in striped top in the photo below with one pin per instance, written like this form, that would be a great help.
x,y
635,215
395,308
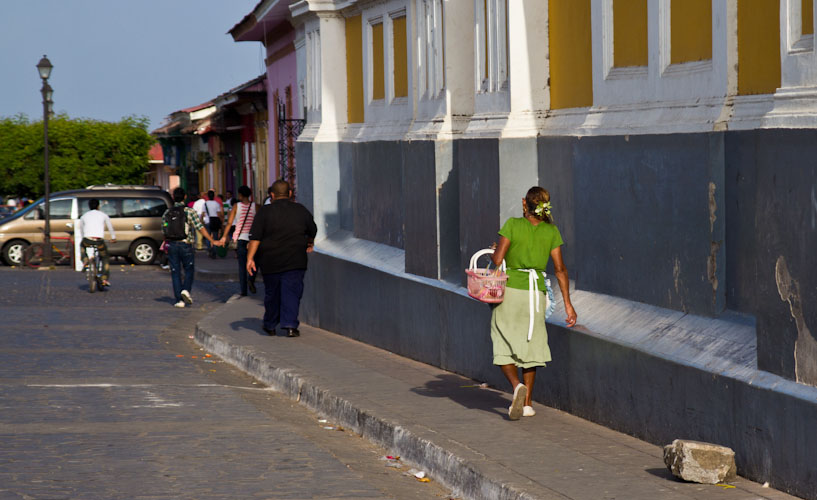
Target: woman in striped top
x,y
241,217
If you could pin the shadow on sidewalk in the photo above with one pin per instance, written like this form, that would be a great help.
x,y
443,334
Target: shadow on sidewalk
x,y
663,474
466,393
250,323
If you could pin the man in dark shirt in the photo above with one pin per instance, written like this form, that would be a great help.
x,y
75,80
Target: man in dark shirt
x,y
282,233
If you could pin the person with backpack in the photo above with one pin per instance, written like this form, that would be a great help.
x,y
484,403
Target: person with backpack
x,y
179,225
213,217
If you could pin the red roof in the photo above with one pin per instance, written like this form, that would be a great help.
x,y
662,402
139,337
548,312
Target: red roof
x,y
196,108
156,154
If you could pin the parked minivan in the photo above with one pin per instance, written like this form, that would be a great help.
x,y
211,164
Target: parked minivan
x,y
135,212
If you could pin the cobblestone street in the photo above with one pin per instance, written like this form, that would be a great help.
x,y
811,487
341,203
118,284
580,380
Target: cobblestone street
x,y
106,396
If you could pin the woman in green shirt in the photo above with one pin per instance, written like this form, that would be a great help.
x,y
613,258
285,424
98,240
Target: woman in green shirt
x,y
518,328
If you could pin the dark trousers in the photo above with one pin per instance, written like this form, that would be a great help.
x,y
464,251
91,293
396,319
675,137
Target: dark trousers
x,y
241,252
182,257
282,298
103,254
215,233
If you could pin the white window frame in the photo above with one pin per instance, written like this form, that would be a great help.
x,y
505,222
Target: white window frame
x,y
313,70
370,23
611,72
492,24
388,46
642,86
430,69
797,41
665,46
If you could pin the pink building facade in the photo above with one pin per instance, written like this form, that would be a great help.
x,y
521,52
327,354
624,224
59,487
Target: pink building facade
x,y
270,23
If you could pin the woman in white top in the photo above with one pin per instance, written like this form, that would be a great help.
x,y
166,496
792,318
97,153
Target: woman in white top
x,y
241,217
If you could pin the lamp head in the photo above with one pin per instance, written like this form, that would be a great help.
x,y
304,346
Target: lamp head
x,y
44,67
48,92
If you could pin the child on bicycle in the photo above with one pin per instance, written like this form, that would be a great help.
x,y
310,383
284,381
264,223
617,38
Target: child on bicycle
x,y
92,226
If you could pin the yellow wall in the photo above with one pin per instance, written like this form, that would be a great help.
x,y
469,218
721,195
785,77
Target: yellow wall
x,y
807,10
571,58
354,70
690,30
629,33
378,70
758,46
400,57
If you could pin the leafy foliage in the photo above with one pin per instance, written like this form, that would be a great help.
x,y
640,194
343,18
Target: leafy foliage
x,y
81,152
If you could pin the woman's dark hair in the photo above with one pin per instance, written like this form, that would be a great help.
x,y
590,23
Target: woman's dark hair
x,y
535,196
244,191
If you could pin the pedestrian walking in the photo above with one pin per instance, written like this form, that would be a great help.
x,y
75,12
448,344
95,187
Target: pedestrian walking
x,y
268,199
198,206
213,219
240,221
281,236
179,225
518,331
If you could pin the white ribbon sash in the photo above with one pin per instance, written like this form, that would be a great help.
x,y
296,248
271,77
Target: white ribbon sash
x,y
533,296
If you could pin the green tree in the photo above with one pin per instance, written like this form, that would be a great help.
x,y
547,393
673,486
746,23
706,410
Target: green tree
x,y
81,152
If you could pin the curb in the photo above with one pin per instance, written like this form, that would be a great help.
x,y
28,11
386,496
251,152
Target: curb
x,y
442,465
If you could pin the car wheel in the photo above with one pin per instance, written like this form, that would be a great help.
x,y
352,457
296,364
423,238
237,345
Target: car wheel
x,y
13,252
143,252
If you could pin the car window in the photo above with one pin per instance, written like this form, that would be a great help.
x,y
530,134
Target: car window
x,y
106,205
60,209
143,207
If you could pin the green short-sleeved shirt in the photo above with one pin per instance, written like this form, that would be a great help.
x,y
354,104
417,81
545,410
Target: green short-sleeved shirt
x,y
530,249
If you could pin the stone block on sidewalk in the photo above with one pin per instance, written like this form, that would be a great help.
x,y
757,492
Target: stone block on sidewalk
x,y
699,462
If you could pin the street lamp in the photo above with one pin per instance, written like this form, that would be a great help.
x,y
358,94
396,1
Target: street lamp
x,y
44,67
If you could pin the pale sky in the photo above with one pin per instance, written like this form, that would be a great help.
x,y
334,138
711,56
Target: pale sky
x,y
114,58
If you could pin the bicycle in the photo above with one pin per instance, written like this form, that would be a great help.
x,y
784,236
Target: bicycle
x,y
60,254
93,271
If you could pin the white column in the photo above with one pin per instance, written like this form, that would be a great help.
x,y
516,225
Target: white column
x,y
333,76
458,20
528,52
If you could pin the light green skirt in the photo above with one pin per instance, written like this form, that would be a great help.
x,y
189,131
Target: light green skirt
x,y
510,321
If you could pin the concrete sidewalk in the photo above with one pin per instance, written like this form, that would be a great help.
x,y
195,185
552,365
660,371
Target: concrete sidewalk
x,y
446,424
218,269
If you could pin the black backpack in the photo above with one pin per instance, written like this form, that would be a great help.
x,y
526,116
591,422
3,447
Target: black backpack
x,y
173,224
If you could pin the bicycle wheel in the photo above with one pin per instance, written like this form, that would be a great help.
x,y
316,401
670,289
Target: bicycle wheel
x,y
91,275
33,255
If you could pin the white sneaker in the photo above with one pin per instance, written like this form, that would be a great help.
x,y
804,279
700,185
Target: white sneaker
x,y
520,392
179,304
528,411
186,297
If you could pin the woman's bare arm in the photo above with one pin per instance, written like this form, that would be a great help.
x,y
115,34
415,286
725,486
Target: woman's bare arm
x,y
564,284
500,250
230,221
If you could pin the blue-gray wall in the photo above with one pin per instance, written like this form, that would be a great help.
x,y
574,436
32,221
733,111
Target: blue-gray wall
x,y
420,208
771,219
478,164
698,223
691,222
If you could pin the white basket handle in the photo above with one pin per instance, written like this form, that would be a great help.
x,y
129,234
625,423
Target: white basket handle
x,y
479,254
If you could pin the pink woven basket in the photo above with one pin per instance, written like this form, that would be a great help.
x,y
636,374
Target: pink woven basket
x,y
485,284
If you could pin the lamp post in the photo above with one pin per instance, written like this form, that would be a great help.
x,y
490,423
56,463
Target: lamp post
x,y
44,67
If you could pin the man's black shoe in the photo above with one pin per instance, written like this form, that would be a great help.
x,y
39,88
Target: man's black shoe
x,y
252,286
270,331
293,332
